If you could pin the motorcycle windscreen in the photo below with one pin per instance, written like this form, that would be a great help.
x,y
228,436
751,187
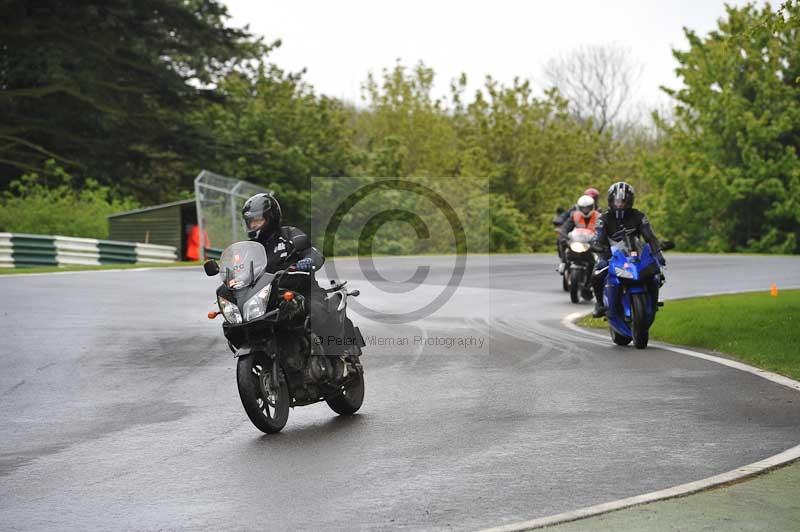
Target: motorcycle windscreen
x,y
241,264
623,247
580,239
582,235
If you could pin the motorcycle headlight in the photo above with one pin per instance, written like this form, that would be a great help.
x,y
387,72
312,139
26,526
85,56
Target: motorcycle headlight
x,y
579,247
256,306
229,311
625,274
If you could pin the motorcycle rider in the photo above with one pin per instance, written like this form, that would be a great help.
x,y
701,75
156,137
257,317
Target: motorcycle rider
x,y
595,195
611,224
565,217
585,216
562,217
288,247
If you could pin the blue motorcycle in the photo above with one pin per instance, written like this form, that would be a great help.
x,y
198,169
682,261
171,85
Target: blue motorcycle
x,y
631,291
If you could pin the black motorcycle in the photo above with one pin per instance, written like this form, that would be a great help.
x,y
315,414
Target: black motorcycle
x,y
281,362
580,263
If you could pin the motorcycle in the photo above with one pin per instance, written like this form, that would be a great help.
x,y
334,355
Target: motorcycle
x,y
559,219
631,291
580,263
281,363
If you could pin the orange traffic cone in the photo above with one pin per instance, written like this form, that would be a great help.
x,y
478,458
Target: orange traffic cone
x,y
773,290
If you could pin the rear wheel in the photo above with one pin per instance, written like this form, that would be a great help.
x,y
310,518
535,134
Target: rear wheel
x,y
265,405
350,399
618,338
640,325
574,285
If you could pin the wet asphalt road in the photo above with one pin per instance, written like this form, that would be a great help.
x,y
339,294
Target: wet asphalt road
x,y
119,409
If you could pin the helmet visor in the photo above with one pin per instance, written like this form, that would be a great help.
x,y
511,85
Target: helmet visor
x,y
254,223
586,209
255,219
618,203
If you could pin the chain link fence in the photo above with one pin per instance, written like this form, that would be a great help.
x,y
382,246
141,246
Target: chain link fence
x,y
219,203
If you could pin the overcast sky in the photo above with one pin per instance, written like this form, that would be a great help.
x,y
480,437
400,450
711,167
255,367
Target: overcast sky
x,y
339,42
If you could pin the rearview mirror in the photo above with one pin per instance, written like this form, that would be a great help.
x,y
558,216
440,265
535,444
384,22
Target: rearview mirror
x,y
211,267
666,245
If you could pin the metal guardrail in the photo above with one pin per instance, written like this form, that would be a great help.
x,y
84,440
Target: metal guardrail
x,y
213,253
20,250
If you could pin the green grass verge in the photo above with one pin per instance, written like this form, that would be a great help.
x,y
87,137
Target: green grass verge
x,y
51,269
755,327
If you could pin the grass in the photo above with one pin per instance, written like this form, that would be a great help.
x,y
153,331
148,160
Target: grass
x,y
754,327
51,269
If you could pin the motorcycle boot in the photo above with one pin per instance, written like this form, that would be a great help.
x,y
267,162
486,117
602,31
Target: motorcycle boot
x,y
599,309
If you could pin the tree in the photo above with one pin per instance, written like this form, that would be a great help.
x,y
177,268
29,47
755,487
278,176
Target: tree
x,y
729,169
54,206
523,154
270,128
597,80
103,87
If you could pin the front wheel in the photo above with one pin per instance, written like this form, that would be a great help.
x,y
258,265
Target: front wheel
x,y
350,399
266,406
574,285
618,338
640,325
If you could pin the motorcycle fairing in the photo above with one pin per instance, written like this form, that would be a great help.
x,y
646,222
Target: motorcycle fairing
x,y
618,291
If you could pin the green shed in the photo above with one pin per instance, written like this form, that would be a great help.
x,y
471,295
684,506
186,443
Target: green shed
x,y
161,224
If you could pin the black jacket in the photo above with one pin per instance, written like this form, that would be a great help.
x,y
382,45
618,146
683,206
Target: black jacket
x,y
288,245
560,218
608,227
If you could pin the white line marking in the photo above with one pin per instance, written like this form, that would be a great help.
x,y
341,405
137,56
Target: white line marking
x,y
669,493
739,473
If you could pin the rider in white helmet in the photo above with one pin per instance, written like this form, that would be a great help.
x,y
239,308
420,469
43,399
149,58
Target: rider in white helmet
x,y
584,215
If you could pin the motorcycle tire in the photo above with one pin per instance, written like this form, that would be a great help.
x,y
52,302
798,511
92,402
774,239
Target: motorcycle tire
x,y
564,283
639,322
618,338
267,409
350,399
574,285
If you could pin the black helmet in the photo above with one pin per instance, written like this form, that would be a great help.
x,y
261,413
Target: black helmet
x,y
261,213
620,198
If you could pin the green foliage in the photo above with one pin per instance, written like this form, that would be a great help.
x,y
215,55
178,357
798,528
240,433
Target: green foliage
x,y
271,129
103,87
528,153
142,95
728,171
50,204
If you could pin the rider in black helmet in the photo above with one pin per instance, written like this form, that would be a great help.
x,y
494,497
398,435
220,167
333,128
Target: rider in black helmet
x,y
288,247
619,216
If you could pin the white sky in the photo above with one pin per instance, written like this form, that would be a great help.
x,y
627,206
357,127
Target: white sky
x,y
339,42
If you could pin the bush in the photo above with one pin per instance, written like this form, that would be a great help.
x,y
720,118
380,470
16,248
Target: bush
x,y
55,205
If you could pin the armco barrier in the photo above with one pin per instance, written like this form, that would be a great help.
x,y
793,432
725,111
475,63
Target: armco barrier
x,y
44,250
213,253
6,251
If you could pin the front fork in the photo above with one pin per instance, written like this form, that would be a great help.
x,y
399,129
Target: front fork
x,y
273,376
270,349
